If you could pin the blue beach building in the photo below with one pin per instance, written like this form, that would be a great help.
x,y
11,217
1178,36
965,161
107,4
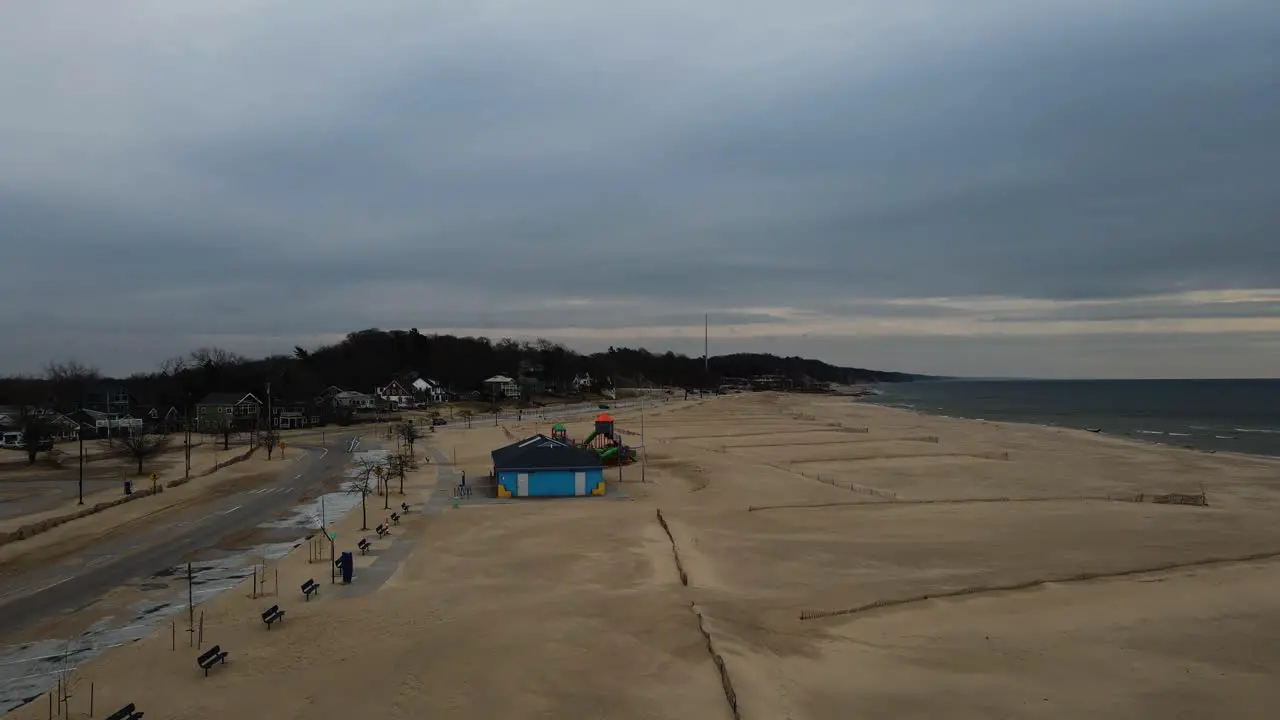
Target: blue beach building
x,y
544,467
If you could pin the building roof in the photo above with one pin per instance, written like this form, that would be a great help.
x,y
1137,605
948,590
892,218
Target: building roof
x,y
541,453
226,398
500,380
604,417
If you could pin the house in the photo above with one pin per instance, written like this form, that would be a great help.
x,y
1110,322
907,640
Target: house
x,y
430,390
220,410
540,466
159,418
500,386
57,427
293,414
98,424
353,400
583,382
396,392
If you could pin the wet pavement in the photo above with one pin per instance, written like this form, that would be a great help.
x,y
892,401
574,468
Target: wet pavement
x,y
30,669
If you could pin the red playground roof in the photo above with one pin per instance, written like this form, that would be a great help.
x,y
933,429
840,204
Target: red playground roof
x,y
604,417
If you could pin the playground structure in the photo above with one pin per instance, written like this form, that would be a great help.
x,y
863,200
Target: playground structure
x,y
603,440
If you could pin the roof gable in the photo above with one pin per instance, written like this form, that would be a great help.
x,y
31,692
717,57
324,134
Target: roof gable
x,y
540,451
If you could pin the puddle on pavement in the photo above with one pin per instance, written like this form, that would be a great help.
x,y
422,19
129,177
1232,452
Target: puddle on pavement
x,y
29,670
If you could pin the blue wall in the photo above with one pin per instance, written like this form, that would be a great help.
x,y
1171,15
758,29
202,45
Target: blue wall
x,y
550,483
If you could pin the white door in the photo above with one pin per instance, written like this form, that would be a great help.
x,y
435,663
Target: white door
x,y
580,483
522,485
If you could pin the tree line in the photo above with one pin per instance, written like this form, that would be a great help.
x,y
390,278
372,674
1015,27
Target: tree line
x,y
371,358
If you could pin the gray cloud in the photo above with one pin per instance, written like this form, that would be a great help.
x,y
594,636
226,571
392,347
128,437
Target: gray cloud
x,y
272,182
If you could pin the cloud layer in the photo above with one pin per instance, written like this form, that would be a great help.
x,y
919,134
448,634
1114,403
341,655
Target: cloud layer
x,y
830,177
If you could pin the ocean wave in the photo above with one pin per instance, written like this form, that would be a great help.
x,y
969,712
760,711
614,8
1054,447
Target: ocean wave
x,y
1257,430
1174,434
1225,437
1150,432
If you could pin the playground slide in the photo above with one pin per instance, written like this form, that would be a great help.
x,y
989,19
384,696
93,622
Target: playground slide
x,y
609,454
590,437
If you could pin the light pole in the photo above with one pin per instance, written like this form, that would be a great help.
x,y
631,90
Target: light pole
x,y
644,444
80,439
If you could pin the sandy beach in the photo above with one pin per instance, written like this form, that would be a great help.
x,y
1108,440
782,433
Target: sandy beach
x,y
841,560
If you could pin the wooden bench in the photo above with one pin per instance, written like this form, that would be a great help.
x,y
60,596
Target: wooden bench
x,y
128,712
382,530
211,657
272,614
395,518
404,507
364,545
309,588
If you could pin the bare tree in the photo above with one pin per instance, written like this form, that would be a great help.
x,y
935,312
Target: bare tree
x,y
174,365
409,433
270,439
37,430
399,464
466,415
223,426
70,370
69,380
364,484
213,357
142,445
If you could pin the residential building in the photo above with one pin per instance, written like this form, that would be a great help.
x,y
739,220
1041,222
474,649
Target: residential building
x,y
397,393
293,414
355,400
57,427
583,382
216,411
430,390
500,386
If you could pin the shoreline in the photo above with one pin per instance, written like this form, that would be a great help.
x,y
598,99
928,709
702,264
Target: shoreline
x,y
1127,437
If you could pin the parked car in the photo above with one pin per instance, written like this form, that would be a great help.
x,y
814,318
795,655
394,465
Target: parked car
x,y
604,406
439,421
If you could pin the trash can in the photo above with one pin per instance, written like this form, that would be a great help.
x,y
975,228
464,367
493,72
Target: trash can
x,y
347,566
128,487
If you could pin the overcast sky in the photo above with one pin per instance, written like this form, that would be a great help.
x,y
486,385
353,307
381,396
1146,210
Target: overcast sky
x,y
990,187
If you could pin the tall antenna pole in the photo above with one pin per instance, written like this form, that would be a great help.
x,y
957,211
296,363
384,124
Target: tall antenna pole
x,y
706,340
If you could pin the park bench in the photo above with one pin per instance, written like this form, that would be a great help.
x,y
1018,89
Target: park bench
x,y
382,530
272,614
128,712
364,545
404,507
309,588
211,657
395,518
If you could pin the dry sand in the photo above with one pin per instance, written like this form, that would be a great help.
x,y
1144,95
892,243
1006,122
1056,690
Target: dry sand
x,y
943,568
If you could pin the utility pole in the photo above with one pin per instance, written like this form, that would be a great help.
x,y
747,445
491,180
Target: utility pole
x,y
706,353
186,437
80,438
644,444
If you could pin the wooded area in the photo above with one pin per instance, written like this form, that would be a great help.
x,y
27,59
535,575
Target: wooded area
x,y
372,358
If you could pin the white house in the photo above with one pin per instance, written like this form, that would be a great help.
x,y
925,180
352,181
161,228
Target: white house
x,y
503,385
430,389
582,382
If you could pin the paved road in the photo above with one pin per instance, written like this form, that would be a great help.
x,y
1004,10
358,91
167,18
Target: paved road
x,y
146,550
